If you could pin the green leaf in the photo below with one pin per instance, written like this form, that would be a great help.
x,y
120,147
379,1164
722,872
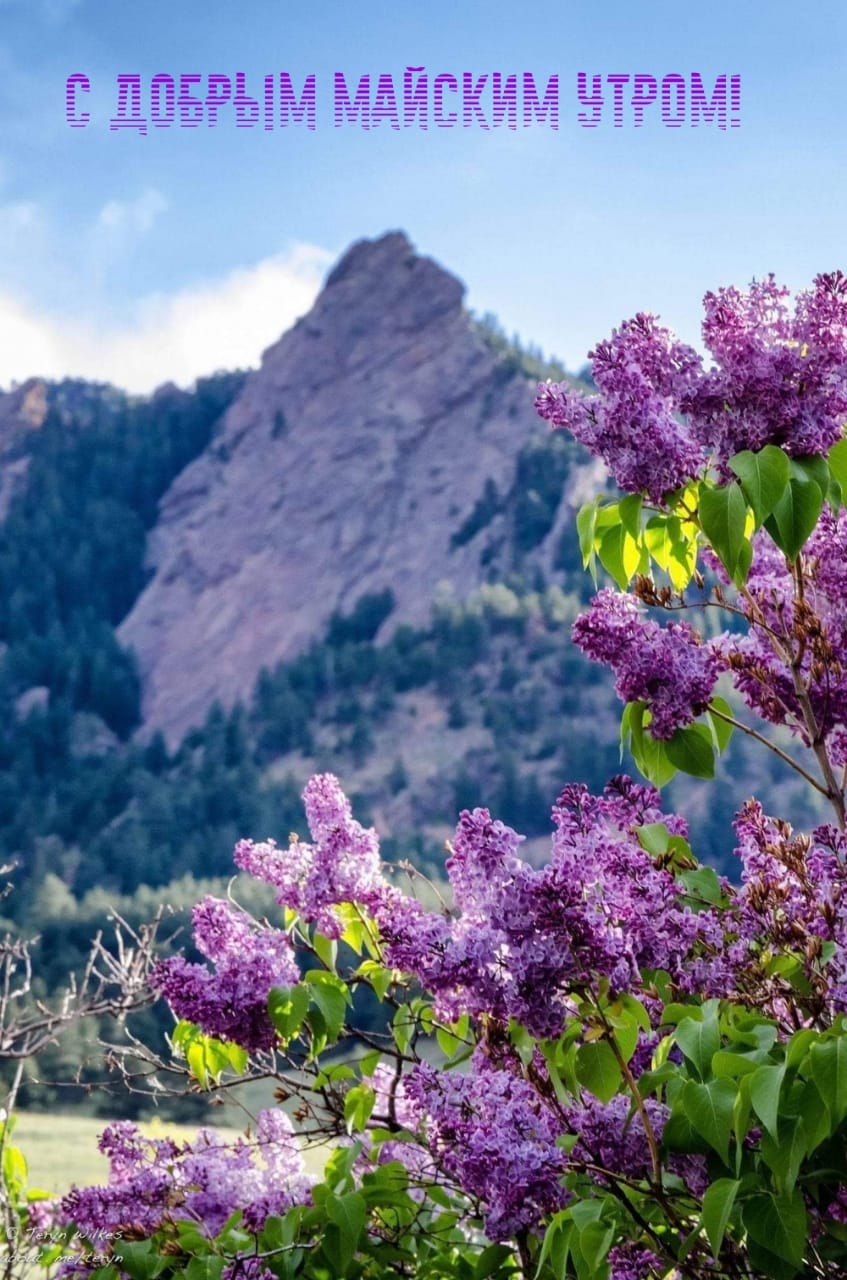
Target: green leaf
x,y
332,997
208,1268
654,838
636,1009
556,1246
287,1009
140,1259
338,1170
764,1263
815,1118
326,949
14,1170
621,556
672,544
355,934
491,1260
798,1046
595,1240
586,522
733,1063
778,1224
368,1062
709,1107
691,750
814,468
699,1040
763,477
648,753
456,1039
629,510
837,459
718,1203
674,851
721,731
625,1029
765,1089
785,1157
358,1105
403,1027
523,1042
828,1061
795,514
741,1119
348,1214
207,1057
723,519
702,888
377,975
598,1070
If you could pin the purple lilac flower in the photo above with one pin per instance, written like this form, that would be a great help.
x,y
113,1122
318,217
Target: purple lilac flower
x,y
492,1132
247,1268
761,660
666,667
793,899
524,938
631,425
341,865
777,378
631,1261
140,1190
611,1135
156,1180
230,1002
41,1216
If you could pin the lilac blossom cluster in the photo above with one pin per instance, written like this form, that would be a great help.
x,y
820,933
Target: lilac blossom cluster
x,y
518,943
611,1135
668,668
341,864
230,1002
791,665
492,1132
522,939
793,900
521,942
641,373
155,1180
633,1262
776,378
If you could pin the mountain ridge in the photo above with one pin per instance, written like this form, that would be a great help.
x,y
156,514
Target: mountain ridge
x,y
393,414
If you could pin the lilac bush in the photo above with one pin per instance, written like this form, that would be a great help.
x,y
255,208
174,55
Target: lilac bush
x,y
616,1065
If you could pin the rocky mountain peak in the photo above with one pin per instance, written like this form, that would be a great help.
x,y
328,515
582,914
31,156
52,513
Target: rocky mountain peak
x,y
389,271
343,468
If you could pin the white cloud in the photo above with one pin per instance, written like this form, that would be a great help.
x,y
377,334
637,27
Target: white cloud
x,y
218,324
115,233
20,217
131,217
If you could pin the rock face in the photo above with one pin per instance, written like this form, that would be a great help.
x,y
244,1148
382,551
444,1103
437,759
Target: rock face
x,y
343,468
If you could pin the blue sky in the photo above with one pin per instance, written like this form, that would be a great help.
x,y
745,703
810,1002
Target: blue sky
x,y
144,258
